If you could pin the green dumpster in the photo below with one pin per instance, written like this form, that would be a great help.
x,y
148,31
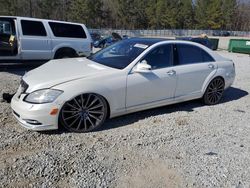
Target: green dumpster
x,y
239,46
215,43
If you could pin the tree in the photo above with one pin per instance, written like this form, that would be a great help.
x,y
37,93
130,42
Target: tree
x,y
186,14
9,7
170,16
162,14
201,14
87,11
214,15
131,13
151,14
138,14
50,9
229,10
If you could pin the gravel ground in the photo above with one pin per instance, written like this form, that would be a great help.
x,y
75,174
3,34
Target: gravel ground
x,y
183,145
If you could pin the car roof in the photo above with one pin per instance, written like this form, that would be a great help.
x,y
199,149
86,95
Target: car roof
x,y
148,41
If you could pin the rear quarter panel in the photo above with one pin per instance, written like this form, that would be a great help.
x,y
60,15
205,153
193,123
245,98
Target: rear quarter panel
x,y
225,70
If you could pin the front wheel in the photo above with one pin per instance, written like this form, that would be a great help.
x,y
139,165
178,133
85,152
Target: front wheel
x,y
214,91
84,113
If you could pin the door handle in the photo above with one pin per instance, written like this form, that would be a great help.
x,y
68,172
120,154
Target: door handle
x,y
171,73
211,66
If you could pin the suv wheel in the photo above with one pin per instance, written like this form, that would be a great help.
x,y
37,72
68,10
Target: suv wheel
x,y
65,53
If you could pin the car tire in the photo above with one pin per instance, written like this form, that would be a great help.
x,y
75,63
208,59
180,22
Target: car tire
x,y
214,91
84,113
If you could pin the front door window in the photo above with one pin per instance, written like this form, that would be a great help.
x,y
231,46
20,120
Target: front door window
x,y
8,41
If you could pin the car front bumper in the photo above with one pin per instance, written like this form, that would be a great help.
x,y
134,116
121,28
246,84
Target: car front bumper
x,y
34,116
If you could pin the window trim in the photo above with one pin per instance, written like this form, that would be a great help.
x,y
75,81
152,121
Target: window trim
x,y
176,55
46,33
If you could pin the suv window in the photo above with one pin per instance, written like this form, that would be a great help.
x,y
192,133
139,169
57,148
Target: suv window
x,y
188,54
33,28
160,57
67,30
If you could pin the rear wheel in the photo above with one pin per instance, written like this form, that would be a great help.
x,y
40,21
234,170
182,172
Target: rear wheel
x,y
214,91
84,113
65,53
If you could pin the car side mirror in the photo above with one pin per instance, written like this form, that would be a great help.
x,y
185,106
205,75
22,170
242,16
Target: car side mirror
x,y
143,67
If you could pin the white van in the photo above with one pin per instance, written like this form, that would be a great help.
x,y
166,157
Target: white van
x,y
24,38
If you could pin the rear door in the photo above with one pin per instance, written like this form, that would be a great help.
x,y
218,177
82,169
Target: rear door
x,y
193,67
35,40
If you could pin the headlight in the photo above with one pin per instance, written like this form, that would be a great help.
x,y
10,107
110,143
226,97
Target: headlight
x,y
43,96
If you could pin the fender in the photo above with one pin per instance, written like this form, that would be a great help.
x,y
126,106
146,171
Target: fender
x,y
115,94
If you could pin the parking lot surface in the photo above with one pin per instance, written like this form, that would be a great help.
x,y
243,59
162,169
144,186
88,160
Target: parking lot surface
x,y
183,145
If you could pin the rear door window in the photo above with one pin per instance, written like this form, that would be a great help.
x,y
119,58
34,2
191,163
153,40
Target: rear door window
x,y
67,30
189,54
33,28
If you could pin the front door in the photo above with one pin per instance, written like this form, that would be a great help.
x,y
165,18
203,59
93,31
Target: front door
x,y
8,37
156,85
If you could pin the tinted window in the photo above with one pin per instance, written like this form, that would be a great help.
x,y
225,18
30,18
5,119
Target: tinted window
x,y
188,54
33,28
160,57
67,30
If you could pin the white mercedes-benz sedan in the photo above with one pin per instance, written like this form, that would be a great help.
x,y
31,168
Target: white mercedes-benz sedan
x,y
132,75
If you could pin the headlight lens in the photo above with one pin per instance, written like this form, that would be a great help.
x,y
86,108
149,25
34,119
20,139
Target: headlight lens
x,y
43,96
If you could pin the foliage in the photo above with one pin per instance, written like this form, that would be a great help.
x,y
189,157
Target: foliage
x,y
137,14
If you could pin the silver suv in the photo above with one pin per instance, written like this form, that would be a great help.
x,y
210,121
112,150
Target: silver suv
x,y
24,38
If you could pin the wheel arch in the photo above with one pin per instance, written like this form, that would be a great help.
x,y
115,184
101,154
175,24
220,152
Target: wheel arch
x,y
213,75
210,80
94,93
68,50
64,125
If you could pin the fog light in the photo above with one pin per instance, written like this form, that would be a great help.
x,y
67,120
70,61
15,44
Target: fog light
x,y
32,122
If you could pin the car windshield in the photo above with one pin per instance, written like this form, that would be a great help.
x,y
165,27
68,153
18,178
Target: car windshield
x,y
120,54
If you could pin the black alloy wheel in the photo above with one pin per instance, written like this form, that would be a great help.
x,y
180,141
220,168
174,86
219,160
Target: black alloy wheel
x,y
84,113
214,91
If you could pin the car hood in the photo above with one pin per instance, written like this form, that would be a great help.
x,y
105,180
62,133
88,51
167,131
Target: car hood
x,y
56,72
